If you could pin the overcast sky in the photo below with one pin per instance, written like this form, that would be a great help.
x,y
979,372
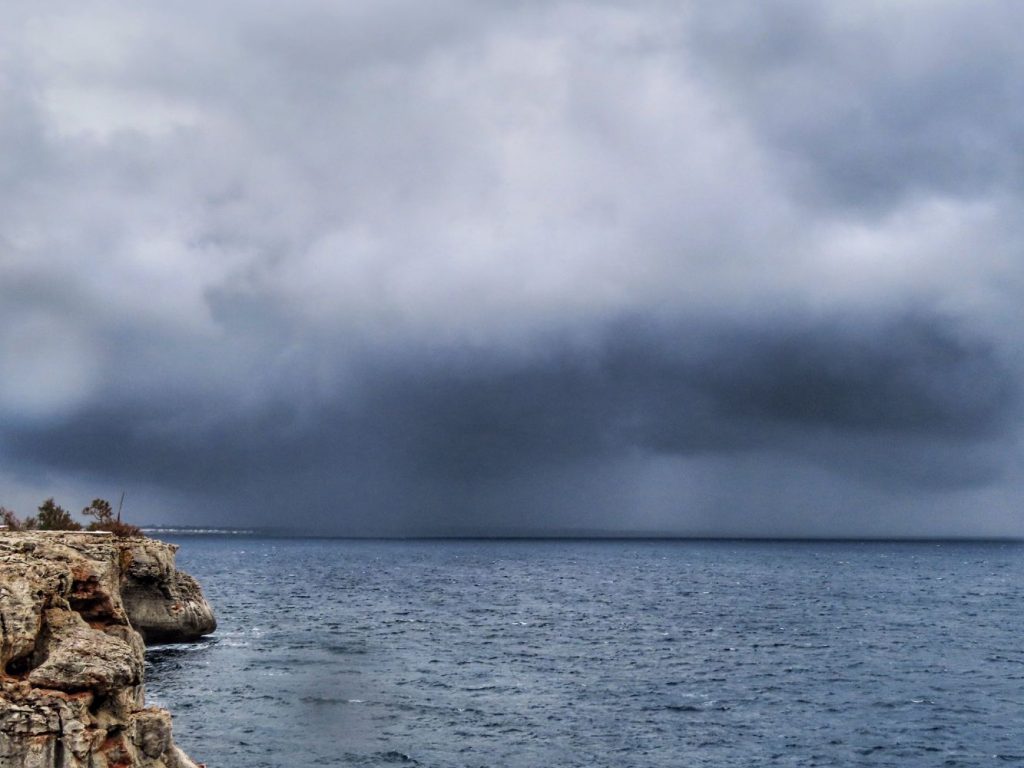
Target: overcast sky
x,y
516,267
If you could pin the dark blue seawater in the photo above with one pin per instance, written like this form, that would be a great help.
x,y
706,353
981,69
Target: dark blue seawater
x,y
527,654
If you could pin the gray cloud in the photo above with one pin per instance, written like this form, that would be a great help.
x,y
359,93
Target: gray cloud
x,y
516,267
876,104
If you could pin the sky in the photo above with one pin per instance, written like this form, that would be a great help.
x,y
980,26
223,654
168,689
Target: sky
x,y
396,268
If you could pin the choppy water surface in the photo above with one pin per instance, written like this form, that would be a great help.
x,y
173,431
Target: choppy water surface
x,y
528,654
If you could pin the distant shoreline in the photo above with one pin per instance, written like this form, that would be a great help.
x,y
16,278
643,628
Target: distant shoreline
x,y
163,530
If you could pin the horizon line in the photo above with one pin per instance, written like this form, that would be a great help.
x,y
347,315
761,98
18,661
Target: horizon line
x,y
291,534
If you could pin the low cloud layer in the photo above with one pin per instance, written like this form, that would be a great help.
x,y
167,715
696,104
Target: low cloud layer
x,y
512,269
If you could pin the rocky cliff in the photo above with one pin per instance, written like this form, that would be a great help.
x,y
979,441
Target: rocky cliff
x,y
74,608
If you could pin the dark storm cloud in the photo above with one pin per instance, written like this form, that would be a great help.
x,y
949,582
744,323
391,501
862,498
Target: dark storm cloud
x,y
463,421
683,389
516,267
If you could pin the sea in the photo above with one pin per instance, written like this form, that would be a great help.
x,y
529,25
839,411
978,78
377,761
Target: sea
x,y
527,654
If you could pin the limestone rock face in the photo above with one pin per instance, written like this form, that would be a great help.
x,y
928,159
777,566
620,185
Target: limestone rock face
x,y
164,604
71,664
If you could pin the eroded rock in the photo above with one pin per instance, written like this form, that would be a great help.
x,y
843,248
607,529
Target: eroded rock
x,y
71,663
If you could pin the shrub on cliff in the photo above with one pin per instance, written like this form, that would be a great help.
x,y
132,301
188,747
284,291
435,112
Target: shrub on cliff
x,y
55,518
14,523
103,514
9,520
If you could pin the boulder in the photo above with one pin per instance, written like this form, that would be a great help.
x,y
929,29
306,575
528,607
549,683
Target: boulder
x,y
164,604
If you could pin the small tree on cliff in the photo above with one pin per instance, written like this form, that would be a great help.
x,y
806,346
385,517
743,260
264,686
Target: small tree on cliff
x,y
55,518
101,510
103,513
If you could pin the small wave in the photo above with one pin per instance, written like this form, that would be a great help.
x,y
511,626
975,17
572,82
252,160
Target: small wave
x,y
329,700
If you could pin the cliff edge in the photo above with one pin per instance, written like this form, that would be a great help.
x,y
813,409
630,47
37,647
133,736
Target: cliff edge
x,y
71,654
